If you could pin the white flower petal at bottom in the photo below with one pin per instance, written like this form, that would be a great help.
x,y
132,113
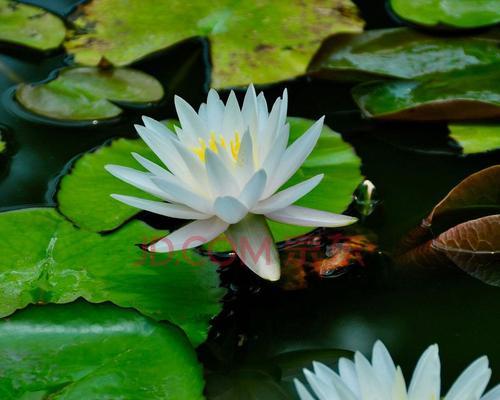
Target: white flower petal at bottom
x,y
191,235
230,209
303,216
251,239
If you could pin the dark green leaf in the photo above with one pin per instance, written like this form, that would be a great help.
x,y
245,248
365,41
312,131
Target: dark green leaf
x,y
81,351
87,93
249,41
471,93
476,138
400,53
54,262
448,13
30,26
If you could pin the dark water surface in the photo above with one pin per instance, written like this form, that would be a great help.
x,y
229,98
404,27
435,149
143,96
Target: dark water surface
x,y
412,165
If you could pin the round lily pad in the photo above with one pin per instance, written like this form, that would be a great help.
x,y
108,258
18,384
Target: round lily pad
x,y
457,14
250,41
30,26
88,93
476,138
400,53
54,262
82,351
471,93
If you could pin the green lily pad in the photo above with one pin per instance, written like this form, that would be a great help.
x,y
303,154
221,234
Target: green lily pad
x,y
471,93
81,351
3,145
30,26
455,14
249,41
88,93
400,53
54,262
84,195
476,138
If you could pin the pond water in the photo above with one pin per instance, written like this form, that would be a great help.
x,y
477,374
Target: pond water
x,y
412,166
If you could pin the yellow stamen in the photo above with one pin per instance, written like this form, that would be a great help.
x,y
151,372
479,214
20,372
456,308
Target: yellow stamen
x,y
213,144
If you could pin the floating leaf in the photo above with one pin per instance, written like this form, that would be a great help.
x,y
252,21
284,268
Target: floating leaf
x,y
448,13
82,351
30,26
400,53
3,146
476,138
472,245
84,195
54,262
249,41
471,93
87,93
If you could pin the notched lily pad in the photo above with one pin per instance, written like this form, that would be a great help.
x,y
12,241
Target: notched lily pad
x,y
84,195
400,53
82,351
473,244
30,26
249,41
476,138
471,93
57,263
87,93
454,14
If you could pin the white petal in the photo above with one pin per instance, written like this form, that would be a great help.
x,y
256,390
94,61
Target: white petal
x,y
158,127
343,389
141,180
471,384
347,372
493,394
399,386
152,167
183,195
254,188
191,123
251,239
302,391
220,179
262,113
426,380
294,157
383,366
323,390
249,109
215,111
284,107
232,121
287,197
271,130
230,209
191,235
193,163
245,160
369,385
273,158
167,209
303,216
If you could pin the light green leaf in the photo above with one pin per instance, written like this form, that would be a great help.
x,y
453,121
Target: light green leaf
x,y
30,26
81,351
257,42
400,53
87,93
84,195
476,138
448,13
51,261
471,93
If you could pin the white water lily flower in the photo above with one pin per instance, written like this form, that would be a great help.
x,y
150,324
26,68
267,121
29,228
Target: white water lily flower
x,y
224,167
382,380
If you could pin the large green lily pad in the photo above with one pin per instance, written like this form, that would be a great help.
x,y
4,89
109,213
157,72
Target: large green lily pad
x,y
88,93
81,351
51,261
257,42
471,93
400,53
30,26
84,195
476,138
448,13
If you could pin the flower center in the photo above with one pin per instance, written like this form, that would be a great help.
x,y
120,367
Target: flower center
x,y
233,147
